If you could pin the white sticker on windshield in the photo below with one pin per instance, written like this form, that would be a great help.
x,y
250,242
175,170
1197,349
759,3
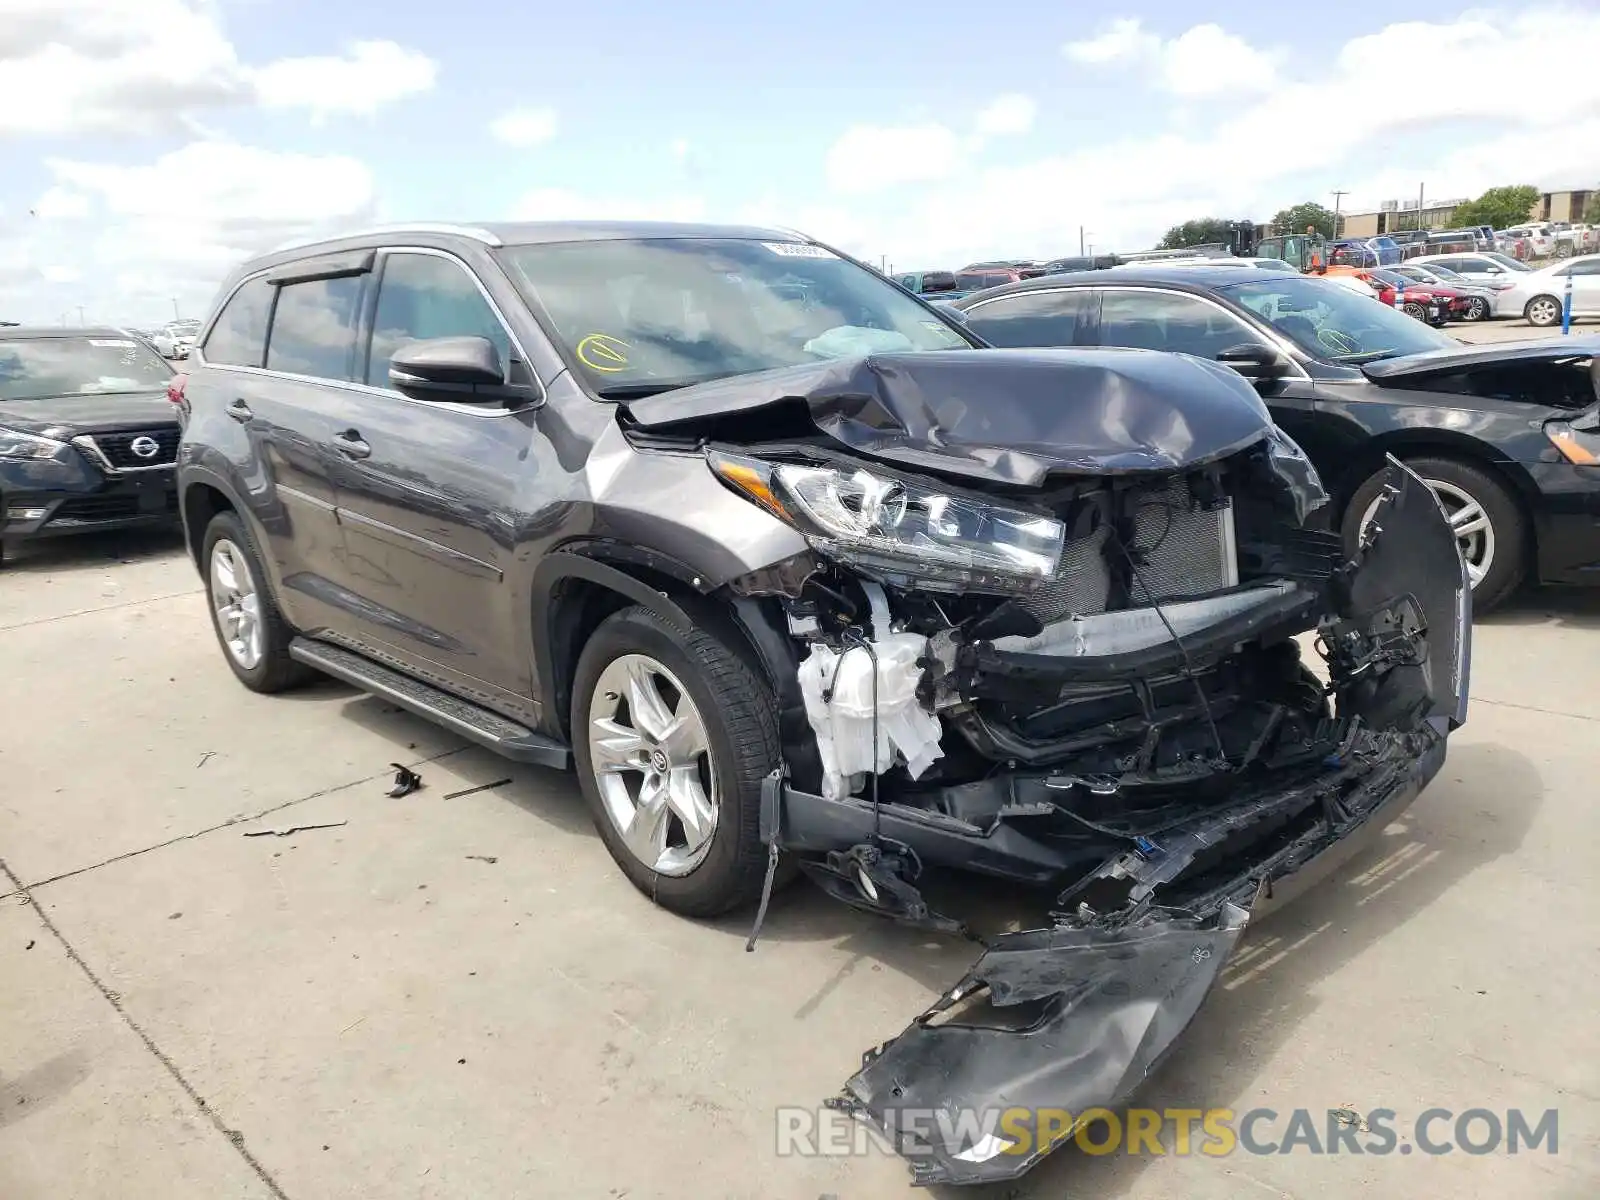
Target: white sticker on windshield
x,y
799,250
120,344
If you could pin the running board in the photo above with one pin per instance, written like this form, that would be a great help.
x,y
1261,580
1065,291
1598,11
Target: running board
x,y
489,729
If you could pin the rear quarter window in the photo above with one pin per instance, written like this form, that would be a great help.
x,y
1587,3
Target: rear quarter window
x,y
239,335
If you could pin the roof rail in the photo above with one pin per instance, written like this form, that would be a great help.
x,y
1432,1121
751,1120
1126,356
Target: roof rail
x,y
476,233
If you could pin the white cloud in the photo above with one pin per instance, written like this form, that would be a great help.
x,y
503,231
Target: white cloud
x,y
680,149
562,204
524,127
371,76
868,158
1120,41
1205,60
1337,125
1008,114
148,66
123,240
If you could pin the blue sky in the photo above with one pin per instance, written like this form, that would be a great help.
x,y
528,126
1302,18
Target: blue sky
x,y
167,138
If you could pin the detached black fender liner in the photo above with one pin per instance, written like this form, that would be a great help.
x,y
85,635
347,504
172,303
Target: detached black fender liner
x,y
1079,1014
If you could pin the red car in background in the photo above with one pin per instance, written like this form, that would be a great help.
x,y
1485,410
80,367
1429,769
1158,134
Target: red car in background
x,y
1428,302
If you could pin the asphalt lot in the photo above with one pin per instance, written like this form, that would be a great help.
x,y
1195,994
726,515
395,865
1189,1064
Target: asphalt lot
x,y
463,998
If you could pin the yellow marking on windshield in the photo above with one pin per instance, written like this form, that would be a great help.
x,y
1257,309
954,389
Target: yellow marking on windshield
x,y
602,352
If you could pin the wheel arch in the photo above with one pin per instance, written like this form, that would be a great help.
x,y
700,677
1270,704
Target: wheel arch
x,y
201,500
578,586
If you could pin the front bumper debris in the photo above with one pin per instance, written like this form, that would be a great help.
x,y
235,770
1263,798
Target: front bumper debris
x,y
1078,1015
1170,859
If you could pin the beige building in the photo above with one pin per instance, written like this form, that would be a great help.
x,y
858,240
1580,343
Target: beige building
x,y
1568,204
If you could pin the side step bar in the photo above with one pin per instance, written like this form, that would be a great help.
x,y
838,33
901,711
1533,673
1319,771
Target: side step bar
x,y
488,729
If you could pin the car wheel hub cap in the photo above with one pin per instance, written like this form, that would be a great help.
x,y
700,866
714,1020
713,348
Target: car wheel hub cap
x,y
650,755
1468,519
236,603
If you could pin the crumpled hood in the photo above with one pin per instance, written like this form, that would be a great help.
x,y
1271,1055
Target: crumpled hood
x,y
63,417
1004,416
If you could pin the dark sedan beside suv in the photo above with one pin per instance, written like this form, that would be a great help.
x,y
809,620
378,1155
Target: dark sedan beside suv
x,y
788,565
88,438
1507,435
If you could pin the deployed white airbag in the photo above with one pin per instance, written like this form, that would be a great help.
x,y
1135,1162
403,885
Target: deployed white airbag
x,y
837,689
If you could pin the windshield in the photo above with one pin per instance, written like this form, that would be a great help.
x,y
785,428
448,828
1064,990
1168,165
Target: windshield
x,y
66,366
1333,322
644,316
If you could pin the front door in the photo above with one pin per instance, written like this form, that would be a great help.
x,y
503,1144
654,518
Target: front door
x,y
429,492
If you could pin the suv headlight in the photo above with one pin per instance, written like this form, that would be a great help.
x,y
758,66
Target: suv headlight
x,y
900,531
27,447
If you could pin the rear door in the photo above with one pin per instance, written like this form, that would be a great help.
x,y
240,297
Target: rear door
x,y
1585,287
270,435
428,490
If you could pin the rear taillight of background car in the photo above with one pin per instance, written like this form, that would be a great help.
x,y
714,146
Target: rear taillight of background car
x,y
176,394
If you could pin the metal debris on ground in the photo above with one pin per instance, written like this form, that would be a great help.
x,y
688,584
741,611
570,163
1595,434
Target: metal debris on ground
x,y
205,758
487,858
292,829
29,946
482,787
1349,1116
406,781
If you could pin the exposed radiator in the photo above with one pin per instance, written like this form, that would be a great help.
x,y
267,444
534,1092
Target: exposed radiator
x,y
1182,550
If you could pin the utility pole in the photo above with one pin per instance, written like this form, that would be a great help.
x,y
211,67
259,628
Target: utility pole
x,y
1337,197
81,320
1420,190
1080,241
176,315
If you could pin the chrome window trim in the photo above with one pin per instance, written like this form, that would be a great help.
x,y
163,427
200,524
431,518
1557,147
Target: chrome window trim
x,y
362,388
1285,347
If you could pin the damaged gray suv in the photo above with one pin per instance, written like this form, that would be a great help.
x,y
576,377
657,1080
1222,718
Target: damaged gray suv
x,y
792,568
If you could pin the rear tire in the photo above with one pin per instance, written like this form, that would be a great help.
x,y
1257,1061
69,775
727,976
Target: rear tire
x,y
1501,545
269,669
737,713
1543,312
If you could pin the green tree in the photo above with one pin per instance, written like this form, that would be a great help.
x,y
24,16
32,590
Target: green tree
x,y
1195,233
1295,219
1498,207
1591,215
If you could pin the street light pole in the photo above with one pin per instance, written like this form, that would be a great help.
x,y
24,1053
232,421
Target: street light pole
x,y
1337,197
176,315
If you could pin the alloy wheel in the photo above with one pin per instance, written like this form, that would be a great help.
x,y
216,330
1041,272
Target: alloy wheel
x,y
237,605
1478,310
1544,311
650,754
1469,521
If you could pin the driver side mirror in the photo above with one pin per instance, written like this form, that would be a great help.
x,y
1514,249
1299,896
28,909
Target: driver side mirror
x,y
464,370
1256,362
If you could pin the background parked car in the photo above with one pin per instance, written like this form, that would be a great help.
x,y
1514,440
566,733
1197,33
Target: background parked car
x,y
1538,296
1488,268
176,338
1421,302
927,283
1352,381
1541,239
1379,251
1479,298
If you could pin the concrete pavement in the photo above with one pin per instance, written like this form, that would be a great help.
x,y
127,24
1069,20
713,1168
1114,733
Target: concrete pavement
x,y
464,999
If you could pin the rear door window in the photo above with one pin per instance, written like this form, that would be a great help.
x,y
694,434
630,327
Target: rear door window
x,y
314,328
1153,320
1042,318
426,296
239,336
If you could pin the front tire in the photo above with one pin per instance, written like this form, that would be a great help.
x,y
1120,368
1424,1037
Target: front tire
x,y
1417,312
251,631
1490,528
674,734
1478,309
1543,312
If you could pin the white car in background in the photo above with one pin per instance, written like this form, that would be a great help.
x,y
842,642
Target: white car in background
x,y
1541,238
1487,268
1539,295
176,339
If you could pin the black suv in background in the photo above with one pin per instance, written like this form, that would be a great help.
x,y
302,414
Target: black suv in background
x,y
787,564
88,437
